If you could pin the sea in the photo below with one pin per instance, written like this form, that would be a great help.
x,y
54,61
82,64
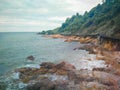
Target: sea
x,y
15,47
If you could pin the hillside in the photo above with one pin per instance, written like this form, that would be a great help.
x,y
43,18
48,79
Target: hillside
x,y
102,19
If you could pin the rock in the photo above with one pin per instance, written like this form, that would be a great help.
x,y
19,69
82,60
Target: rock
x,y
27,74
56,36
99,69
42,70
107,78
61,72
88,47
26,70
65,66
60,65
80,75
44,84
69,66
71,39
32,58
94,86
54,70
68,40
47,65
41,79
3,86
60,69
104,78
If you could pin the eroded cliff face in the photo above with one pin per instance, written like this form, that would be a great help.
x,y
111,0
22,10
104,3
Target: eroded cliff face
x,y
111,45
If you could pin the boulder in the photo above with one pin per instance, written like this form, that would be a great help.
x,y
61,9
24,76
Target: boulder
x,y
65,66
31,58
47,65
60,65
27,74
60,69
44,84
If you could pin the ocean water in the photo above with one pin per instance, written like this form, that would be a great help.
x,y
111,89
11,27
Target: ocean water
x,y
15,47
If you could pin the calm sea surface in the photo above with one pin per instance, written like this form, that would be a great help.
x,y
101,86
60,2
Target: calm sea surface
x,y
15,47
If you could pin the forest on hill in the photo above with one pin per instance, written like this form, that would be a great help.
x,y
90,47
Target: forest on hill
x,y
102,19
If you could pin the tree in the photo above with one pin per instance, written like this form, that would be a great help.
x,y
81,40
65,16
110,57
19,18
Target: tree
x,y
103,1
77,14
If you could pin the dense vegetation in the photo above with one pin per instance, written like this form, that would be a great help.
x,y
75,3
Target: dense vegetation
x,y
102,19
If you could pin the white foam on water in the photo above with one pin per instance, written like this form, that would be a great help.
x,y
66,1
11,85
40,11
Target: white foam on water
x,y
31,66
21,85
15,75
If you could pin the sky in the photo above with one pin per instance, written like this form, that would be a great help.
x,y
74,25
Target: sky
x,y
39,15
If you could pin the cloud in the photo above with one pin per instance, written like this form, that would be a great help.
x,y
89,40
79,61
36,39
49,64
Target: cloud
x,y
56,18
24,22
40,14
23,25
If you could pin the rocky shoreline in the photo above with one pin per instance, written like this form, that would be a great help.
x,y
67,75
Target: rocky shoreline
x,y
65,76
108,52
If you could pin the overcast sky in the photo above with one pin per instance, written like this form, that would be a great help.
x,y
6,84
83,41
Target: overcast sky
x,y
38,15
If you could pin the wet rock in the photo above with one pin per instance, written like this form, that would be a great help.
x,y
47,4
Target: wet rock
x,y
3,86
31,58
60,69
98,69
88,47
60,65
61,87
53,70
65,66
26,70
42,70
61,72
44,84
27,74
47,65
